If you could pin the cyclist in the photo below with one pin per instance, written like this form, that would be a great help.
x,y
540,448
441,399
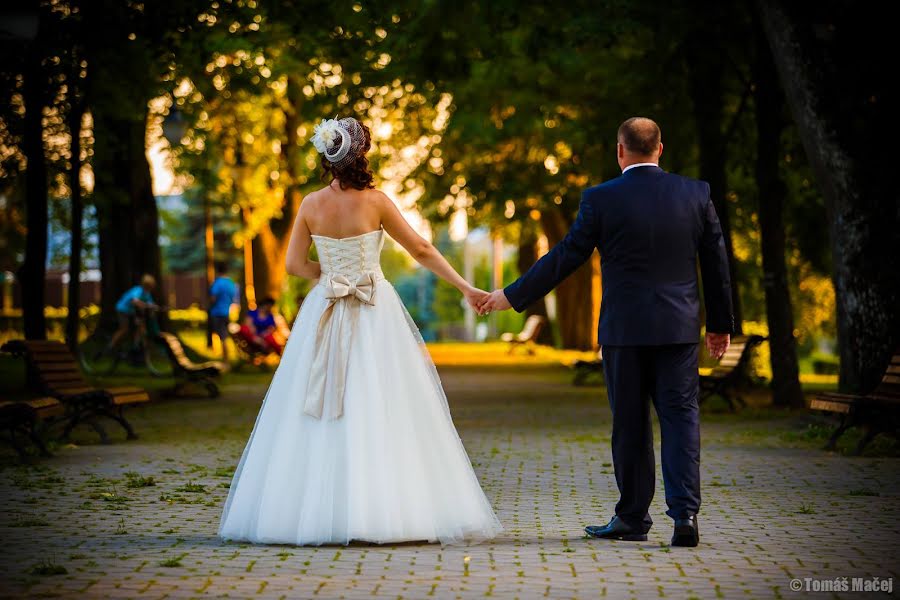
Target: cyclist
x,y
138,298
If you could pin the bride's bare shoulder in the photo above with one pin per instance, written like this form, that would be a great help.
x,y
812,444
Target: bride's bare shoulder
x,y
377,197
312,199
317,194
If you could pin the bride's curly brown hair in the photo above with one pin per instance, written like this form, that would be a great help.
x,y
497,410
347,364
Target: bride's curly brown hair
x,y
357,174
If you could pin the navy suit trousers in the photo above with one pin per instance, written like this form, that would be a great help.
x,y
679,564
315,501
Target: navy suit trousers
x,y
668,377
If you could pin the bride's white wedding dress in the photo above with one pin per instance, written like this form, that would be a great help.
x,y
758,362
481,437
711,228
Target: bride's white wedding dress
x,y
354,440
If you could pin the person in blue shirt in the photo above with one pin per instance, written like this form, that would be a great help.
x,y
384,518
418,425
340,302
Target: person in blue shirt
x,y
259,327
222,294
138,298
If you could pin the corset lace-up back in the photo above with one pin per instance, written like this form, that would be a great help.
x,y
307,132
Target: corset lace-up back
x,y
351,256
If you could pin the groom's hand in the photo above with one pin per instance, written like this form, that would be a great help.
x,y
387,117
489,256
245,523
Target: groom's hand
x,y
717,344
474,297
496,300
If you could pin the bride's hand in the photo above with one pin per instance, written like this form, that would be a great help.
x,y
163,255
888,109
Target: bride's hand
x,y
474,297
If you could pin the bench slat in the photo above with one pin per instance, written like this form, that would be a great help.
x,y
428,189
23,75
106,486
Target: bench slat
x,y
73,390
61,375
66,367
42,344
888,388
889,396
125,389
41,407
50,356
131,398
830,405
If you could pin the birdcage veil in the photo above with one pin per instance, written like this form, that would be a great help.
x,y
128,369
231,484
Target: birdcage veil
x,y
340,141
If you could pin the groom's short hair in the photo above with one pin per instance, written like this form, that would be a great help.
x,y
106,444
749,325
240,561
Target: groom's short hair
x,y
640,135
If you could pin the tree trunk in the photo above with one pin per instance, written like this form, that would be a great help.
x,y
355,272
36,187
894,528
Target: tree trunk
x,y
128,220
209,267
528,256
33,270
786,390
269,251
574,297
707,93
122,79
76,112
270,243
841,104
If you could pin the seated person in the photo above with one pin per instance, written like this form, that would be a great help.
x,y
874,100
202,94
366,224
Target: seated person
x,y
259,327
138,298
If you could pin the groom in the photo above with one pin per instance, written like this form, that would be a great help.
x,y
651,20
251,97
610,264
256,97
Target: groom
x,y
649,227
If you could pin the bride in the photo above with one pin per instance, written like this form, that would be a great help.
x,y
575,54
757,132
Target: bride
x,y
354,440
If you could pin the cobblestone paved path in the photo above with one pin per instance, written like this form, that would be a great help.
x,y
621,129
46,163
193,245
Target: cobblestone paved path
x,y
138,519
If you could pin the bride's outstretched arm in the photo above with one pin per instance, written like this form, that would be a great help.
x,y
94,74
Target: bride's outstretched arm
x,y
297,260
422,250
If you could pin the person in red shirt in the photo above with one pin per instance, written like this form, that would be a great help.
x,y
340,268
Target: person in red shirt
x,y
259,327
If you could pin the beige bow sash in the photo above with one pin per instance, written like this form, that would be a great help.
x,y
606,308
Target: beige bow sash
x,y
325,394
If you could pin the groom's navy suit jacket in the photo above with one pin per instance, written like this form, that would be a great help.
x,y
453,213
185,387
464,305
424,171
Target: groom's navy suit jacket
x,y
650,227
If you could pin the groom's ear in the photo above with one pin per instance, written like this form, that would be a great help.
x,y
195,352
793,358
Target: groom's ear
x,y
660,150
620,150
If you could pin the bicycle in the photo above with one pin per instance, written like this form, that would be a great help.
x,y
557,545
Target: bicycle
x,y
98,356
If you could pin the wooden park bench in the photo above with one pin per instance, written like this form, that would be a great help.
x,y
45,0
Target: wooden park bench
x,y
585,368
53,370
187,371
877,411
528,336
29,418
731,371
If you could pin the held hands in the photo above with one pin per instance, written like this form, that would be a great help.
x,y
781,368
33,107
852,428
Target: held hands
x,y
717,344
474,297
483,302
496,300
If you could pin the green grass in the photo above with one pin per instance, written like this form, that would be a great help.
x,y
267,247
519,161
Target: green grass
x,y
48,568
110,495
31,522
173,562
136,480
120,528
191,487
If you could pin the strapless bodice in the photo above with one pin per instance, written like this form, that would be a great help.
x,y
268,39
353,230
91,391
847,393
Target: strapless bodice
x,y
350,274
351,256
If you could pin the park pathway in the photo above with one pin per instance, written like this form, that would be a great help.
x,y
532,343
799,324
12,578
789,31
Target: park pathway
x,y
771,512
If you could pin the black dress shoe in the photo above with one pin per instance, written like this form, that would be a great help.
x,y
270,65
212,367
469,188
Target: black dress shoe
x,y
616,529
687,532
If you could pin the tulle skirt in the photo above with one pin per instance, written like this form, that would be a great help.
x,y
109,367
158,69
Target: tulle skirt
x,y
391,469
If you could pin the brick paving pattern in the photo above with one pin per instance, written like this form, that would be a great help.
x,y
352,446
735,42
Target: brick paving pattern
x,y
771,512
